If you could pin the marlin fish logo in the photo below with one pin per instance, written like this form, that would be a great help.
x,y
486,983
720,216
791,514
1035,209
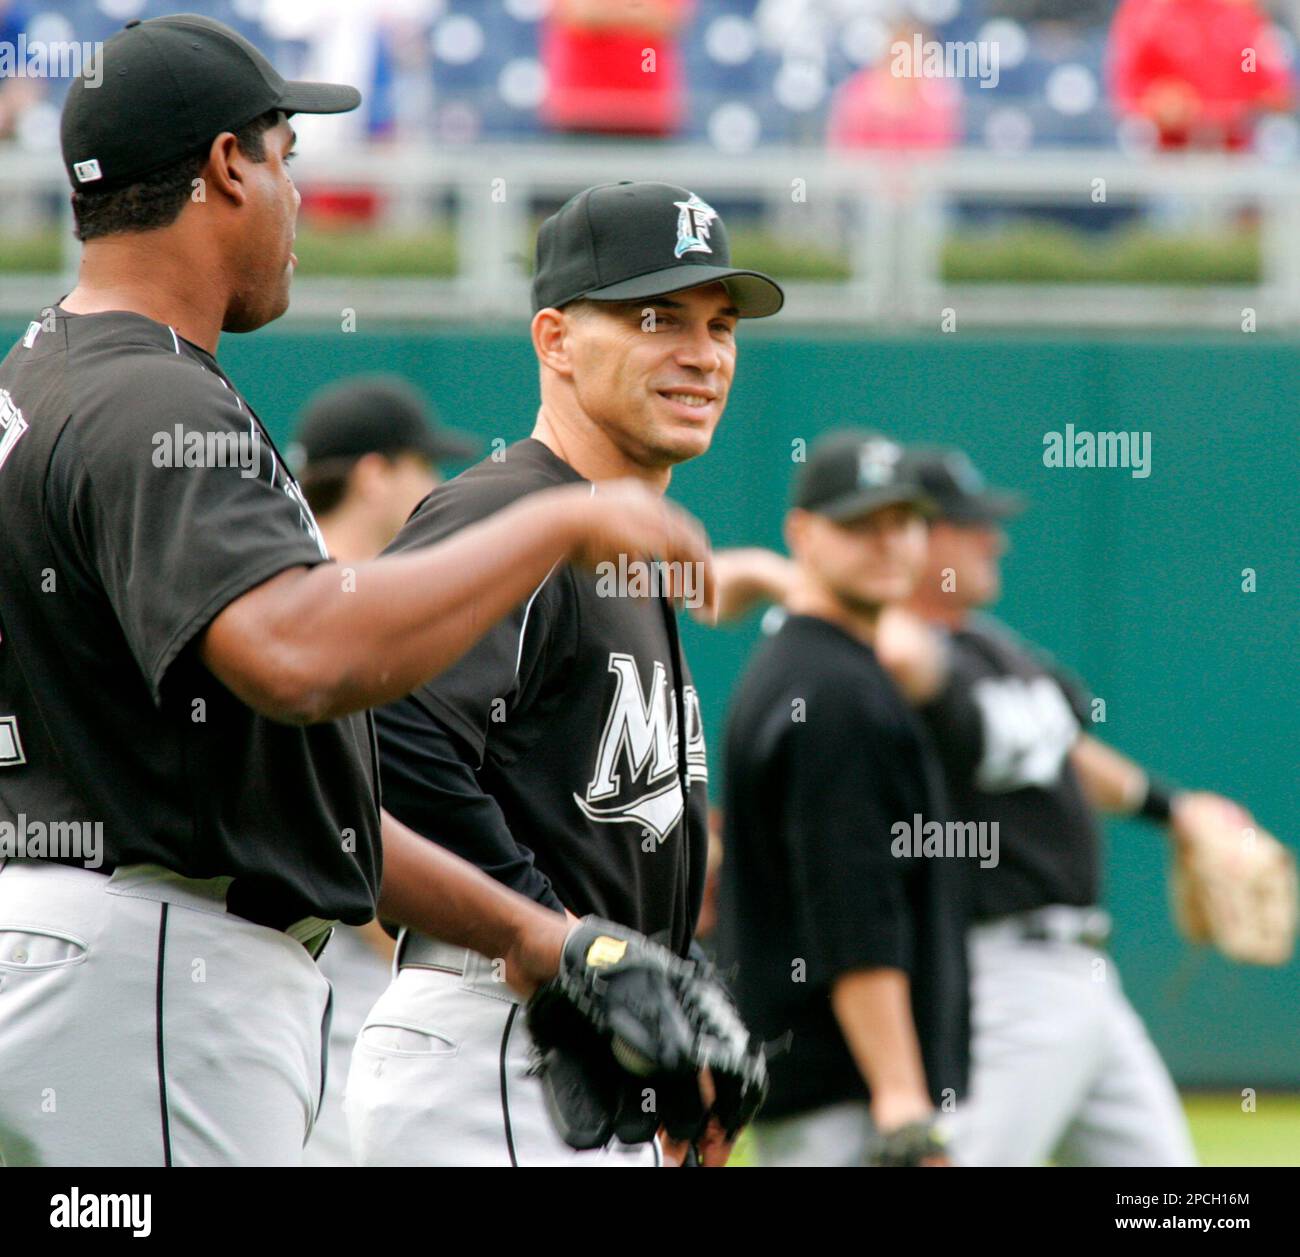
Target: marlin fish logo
x,y
878,463
694,218
636,780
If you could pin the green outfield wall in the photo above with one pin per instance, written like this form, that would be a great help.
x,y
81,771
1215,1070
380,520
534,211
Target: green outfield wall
x,y
1136,583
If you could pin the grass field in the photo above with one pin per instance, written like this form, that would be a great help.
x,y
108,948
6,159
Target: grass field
x,y
1224,1135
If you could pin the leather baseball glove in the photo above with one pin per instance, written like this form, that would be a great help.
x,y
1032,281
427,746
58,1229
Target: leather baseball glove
x,y
1233,884
918,1143
623,1034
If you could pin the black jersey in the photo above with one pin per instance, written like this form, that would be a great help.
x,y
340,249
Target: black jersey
x,y
824,760
1004,724
139,495
569,712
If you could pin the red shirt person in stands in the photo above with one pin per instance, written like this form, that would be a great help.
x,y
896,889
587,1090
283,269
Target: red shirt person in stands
x,y
1198,70
895,104
614,66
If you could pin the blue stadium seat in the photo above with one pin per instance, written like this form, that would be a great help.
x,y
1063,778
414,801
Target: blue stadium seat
x,y
474,83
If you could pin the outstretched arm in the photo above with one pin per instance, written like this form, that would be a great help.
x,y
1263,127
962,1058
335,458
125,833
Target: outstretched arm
x,y
315,644
748,577
1112,782
1115,784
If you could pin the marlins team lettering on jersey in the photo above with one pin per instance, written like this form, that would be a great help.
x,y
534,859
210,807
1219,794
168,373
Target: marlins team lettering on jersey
x,y
1004,725
565,753
1028,731
636,779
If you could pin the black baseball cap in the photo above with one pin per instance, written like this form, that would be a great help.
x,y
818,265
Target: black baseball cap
x,y
956,487
627,241
170,86
374,414
853,472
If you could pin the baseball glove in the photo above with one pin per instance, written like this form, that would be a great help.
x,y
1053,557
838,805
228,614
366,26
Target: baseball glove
x,y
909,1145
623,1033
1233,884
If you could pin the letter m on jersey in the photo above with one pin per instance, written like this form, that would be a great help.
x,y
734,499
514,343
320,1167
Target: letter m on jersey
x,y
635,779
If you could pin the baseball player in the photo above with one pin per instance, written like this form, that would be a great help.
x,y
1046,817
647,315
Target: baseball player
x,y
366,451
846,944
564,754
187,776
1061,1065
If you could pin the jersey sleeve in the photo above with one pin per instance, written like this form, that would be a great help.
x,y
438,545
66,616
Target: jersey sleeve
x,y
848,888
430,785
513,662
1078,695
176,505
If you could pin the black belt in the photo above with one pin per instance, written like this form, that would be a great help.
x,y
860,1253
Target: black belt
x,y
312,932
1059,923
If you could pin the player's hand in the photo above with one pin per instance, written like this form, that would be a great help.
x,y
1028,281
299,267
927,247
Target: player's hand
x,y
748,576
626,518
1191,811
911,652
713,1147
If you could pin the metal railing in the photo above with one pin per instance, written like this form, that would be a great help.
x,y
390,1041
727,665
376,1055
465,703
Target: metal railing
x,y
888,213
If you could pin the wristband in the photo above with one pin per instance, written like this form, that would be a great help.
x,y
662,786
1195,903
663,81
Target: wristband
x,y
1158,804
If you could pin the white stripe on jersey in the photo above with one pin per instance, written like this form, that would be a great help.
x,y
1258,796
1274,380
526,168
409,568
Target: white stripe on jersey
x,y
523,628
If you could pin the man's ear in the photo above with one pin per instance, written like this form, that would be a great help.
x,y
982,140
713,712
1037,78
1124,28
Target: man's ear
x,y
223,175
551,332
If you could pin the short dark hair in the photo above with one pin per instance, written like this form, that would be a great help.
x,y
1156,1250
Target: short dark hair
x,y
157,199
324,483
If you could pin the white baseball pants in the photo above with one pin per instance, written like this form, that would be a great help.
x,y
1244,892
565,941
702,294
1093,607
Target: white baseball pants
x,y
358,975
140,1024
1061,1066
441,1076
837,1135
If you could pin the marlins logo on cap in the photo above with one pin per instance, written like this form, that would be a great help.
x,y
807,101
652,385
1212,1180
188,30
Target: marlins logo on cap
x,y
878,462
693,222
852,472
611,243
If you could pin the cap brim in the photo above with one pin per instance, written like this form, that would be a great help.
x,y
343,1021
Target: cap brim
x,y
858,505
986,508
300,97
755,294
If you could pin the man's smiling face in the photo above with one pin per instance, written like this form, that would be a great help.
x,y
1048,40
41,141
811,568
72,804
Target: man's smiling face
x,y
654,374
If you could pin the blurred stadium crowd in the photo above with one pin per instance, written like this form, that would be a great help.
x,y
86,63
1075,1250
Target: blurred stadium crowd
x,y
739,74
